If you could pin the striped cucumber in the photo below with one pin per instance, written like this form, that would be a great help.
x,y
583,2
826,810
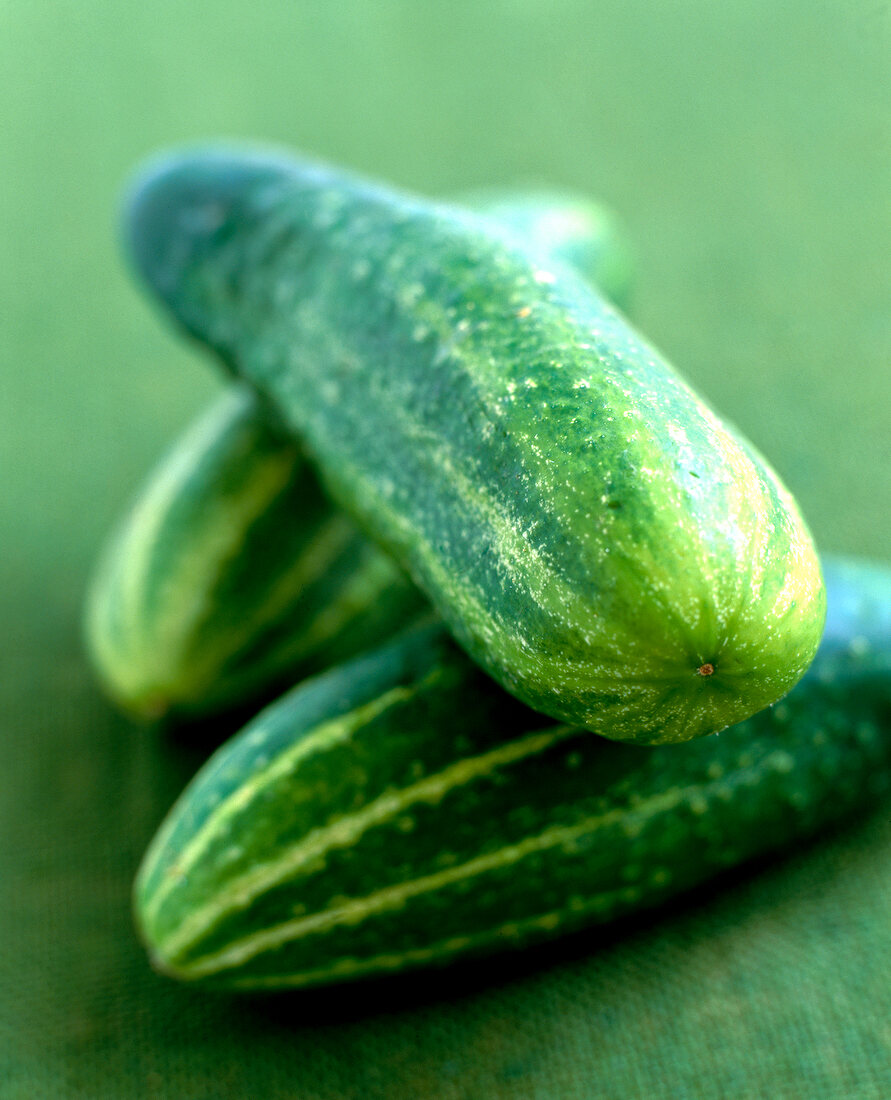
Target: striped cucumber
x,y
231,575
590,532
402,811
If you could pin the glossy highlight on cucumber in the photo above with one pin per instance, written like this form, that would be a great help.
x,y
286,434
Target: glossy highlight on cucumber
x,y
232,575
401,811
591,533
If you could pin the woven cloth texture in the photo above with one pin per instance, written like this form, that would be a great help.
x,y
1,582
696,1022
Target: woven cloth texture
x,y
747,146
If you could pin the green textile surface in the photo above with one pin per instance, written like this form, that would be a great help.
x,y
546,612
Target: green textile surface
x,y
747,146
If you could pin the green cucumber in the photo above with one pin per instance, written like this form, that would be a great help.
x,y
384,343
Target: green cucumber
x,y
402,811
590,532
231,574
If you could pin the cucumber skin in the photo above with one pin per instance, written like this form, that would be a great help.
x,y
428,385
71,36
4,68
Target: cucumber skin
x,y
427,816
588,530
231,576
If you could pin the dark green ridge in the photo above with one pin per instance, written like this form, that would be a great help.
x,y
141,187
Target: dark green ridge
x,y
588,530
520,833
229,577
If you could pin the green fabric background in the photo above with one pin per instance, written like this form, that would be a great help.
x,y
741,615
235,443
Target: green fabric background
x,y
748,147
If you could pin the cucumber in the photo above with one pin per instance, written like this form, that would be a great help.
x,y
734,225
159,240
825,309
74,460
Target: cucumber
x,y
231,575
402,811
589,531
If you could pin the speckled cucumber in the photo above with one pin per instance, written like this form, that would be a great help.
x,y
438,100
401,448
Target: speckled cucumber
x,y
590,532
231,575
402,811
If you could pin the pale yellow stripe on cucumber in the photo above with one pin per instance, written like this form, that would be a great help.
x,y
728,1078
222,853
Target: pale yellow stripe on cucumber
x,y
394,897
218,537
329,539
510,933
132,552
166,486
360,590
346,830
322,738
217,541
